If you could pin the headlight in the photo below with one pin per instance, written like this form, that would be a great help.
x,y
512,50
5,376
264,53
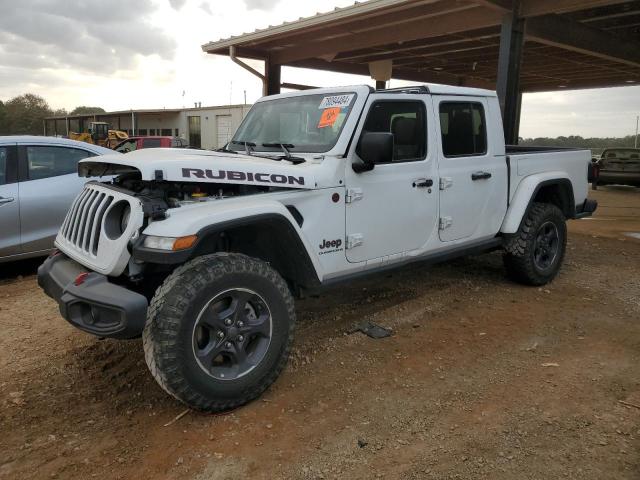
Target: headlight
x,y
169,243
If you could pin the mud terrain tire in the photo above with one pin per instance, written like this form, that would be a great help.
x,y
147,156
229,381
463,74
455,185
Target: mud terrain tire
x,y
534,254
192,315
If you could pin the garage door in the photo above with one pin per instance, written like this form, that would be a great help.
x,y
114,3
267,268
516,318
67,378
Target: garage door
x,y
225,132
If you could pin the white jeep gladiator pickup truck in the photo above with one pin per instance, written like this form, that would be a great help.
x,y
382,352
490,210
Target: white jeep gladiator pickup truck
x,y
202,252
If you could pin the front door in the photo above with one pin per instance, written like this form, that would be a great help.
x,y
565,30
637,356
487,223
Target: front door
x,y
392,209
473,177
9,206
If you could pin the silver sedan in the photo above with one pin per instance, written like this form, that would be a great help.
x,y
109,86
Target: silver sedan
x,y
38,182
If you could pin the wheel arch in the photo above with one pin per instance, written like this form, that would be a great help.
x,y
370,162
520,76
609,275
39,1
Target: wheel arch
x,y
270,237
557,190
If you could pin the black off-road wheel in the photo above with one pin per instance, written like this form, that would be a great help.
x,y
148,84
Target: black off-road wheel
x,y
534,255
219,331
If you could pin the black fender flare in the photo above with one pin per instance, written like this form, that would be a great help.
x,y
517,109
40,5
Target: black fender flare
x,y
290,249
569,210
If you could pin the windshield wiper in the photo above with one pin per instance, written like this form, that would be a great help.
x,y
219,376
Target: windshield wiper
x,y
248,146
225,149
285,148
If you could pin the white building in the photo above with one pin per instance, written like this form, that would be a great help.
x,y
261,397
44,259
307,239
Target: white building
x,y
203,127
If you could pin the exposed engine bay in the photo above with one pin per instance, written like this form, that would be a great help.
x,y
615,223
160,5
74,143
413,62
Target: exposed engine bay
x,y
158,196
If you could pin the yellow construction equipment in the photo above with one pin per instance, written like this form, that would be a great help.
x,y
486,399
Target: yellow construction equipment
x,y
100,134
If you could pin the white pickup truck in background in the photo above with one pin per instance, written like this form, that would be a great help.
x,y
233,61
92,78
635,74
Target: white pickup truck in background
x,y
202,252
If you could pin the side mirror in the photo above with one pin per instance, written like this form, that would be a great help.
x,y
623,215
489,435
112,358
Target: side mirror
x,y
374,147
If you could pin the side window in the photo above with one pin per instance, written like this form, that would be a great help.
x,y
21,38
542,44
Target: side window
x,y
4,165
406,121
463,129
152,142
45,162
128,146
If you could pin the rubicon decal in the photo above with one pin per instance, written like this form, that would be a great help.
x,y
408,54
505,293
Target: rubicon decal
x,y
238,176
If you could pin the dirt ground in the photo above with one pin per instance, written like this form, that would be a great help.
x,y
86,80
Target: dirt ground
x,y
482,378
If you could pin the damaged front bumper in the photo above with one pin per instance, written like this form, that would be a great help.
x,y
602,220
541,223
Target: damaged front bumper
x,y
90,302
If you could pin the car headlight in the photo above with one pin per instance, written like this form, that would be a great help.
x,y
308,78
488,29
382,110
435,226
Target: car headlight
x,y
169,243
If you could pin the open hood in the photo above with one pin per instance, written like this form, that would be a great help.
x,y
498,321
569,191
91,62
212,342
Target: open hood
x,y
183,165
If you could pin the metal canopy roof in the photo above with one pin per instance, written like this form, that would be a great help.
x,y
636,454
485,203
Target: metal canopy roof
x,y
568,43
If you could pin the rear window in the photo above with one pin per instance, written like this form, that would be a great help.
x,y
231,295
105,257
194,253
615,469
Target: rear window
x,y
621,154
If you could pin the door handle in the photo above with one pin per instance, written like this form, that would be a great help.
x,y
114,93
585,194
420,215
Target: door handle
x,y
480,176
6,200
423,182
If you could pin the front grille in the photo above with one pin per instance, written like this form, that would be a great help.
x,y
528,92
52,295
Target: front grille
x,y
81,227
96,232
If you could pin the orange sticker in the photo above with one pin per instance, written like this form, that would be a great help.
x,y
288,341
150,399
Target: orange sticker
x,y
329,117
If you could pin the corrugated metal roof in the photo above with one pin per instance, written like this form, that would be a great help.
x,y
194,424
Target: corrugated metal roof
x,y
568,43
338,13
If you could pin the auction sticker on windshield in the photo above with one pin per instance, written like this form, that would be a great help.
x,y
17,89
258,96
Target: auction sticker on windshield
x,y
338,101
329,117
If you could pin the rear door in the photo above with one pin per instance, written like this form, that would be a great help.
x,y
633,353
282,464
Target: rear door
x,y
473,177
48,184
9,202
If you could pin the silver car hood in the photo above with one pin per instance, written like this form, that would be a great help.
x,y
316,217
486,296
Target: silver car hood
x,y
182,165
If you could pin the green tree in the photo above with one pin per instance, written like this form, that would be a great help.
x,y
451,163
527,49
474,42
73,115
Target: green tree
x,y
25,114
596,145
4,128
83,110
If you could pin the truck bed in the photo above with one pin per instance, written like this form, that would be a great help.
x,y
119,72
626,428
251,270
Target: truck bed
x,y
516,149
569,163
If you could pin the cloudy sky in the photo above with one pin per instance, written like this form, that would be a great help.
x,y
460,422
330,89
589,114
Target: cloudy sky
x,y
120,54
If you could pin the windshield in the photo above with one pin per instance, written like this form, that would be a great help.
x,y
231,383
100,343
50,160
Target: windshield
x,y
309,123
